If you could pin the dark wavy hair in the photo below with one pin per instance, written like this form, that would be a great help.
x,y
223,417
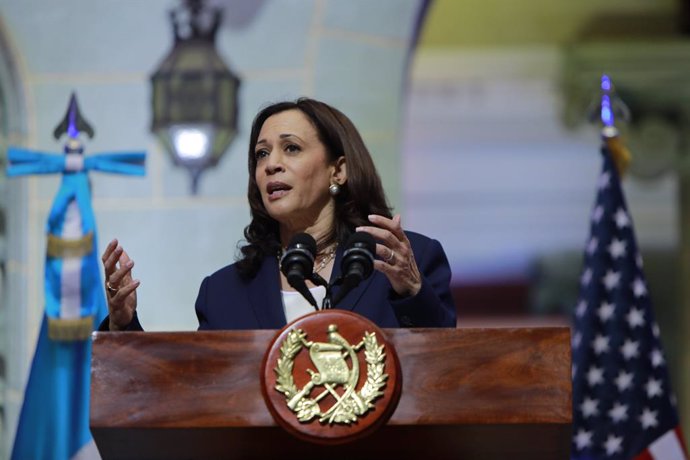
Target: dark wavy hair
x,y
361,195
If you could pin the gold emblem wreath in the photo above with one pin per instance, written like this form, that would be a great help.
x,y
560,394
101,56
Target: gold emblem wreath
x,y
350,404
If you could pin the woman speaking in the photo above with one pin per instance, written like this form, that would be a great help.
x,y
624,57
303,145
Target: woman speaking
x,y
309,172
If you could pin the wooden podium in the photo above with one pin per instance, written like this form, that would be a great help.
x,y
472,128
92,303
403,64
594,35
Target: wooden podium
x,y
467,394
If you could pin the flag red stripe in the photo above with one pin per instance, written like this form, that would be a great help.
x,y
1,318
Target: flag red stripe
x,y
681,440
645,455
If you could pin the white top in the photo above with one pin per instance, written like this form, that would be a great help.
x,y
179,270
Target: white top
x,y
294,305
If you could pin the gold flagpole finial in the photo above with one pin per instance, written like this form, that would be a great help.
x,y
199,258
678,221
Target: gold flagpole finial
x,y
610,106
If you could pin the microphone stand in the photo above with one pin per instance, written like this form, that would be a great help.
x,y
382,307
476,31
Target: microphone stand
x,y
319,281
360,247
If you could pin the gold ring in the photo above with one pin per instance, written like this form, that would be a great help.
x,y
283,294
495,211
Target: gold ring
x,y
111,289
389,259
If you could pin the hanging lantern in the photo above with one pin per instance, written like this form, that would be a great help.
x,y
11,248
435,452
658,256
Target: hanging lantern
x,y
194,93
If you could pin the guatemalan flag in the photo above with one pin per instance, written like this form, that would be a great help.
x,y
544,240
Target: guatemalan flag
x,y
54,420
623,406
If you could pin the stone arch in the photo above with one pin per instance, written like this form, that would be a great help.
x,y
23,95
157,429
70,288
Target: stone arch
x,y
13,205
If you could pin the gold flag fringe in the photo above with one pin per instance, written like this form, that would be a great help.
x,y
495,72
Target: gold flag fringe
x,y
61,247
619,152
70,330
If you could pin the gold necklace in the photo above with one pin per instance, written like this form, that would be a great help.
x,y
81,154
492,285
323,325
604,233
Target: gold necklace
x,y
326,259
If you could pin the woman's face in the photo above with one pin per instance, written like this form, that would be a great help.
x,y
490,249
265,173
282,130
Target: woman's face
x,y
293,171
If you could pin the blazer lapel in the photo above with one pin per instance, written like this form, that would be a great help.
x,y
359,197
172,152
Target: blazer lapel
x,y
264,295
349,302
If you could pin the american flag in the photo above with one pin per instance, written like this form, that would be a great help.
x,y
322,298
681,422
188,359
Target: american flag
x,y
623,407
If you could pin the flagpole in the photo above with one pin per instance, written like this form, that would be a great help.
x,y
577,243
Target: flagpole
x,y
684,282
609,107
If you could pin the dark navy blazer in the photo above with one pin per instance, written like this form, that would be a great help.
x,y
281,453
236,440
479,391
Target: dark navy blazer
x,y
228,301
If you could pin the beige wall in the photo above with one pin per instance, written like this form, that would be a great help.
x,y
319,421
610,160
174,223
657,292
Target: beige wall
x,y
105,51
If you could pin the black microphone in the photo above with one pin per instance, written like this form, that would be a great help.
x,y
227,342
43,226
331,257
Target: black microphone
x,y
357,262
297,264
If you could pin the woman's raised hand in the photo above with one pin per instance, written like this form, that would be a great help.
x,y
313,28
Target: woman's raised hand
x,y
394,249
120,288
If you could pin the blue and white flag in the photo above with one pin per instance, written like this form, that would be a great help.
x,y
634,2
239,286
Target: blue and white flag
x,y
623,406
54,420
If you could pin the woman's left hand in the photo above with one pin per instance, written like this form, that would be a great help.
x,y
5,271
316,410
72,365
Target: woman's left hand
x,y
397,260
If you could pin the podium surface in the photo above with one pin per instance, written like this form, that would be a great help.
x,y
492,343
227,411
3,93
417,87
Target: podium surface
x,y
467,393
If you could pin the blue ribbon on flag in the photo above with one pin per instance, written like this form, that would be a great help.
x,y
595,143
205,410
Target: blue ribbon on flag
x,y
74,188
